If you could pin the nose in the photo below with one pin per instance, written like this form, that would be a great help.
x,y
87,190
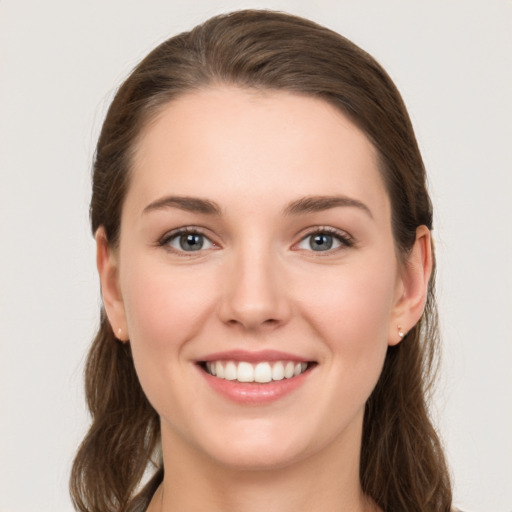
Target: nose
x,y
254,292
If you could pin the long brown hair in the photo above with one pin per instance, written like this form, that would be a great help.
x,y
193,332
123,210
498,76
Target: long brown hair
x,y
402,462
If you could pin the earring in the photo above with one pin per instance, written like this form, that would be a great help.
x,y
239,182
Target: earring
x,y
400,332
119,332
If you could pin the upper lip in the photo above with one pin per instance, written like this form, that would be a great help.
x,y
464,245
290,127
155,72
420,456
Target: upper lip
x,y
253,356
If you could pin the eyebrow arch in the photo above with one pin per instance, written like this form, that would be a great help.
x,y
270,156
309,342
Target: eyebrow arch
x,y
189,204
311,204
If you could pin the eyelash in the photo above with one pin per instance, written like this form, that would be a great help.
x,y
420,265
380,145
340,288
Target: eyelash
x,y
345,240
176,234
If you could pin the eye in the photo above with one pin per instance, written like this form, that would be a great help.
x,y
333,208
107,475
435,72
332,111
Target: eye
x,y
187,240
324,240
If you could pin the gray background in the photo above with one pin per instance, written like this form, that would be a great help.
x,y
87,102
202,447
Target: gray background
x,y
60,62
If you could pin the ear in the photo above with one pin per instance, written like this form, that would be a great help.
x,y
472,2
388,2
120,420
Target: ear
x,y
412,288
108,270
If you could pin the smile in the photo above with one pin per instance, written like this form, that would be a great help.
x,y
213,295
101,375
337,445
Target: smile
x,y
262,372
255,378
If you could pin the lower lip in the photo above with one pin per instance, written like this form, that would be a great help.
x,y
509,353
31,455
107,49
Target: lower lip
x,y
253,393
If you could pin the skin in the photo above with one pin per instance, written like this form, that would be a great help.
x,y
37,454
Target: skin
x,y
258,284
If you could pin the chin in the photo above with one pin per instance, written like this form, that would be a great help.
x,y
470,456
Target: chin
x,y
257,458
263,447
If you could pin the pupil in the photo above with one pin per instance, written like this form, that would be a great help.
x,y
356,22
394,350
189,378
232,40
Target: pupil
x,y
321,242
191,242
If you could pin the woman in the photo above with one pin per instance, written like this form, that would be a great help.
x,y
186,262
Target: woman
x,y
269,334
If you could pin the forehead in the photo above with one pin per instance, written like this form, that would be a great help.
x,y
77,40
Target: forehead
x,y
228,143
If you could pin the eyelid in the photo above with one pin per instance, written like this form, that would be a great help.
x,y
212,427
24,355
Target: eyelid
x,y
175,233
345,239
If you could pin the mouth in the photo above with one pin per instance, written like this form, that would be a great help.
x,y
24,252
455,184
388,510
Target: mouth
x,y
262,372
255,378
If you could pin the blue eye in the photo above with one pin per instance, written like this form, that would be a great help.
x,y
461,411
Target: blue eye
x,y
321,241
188,241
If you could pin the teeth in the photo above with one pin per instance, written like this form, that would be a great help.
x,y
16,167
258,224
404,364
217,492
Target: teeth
x,y
288,370
261,372
212,368
278,371
219,369
230,372
245,372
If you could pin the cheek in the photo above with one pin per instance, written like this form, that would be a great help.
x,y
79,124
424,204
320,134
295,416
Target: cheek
x,y
357,298
164,311
351,310
164,306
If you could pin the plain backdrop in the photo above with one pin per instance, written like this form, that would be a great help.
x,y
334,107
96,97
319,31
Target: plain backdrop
x,y
60,62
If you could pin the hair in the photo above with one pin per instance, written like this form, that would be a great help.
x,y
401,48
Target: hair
x,y
402,463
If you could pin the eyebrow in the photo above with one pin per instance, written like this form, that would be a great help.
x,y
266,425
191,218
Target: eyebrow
x,y
189,204
312,204
308,204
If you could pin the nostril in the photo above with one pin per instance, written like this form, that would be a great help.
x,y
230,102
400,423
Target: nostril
x,y
270,322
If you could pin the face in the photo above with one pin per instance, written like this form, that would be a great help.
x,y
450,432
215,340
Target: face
x,y
256,245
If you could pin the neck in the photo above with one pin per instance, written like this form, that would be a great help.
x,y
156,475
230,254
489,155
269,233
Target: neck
x,y
195,483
